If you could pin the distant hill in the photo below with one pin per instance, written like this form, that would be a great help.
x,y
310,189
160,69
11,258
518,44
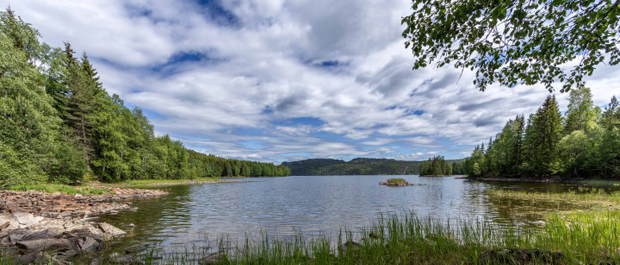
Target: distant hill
x,y
358,166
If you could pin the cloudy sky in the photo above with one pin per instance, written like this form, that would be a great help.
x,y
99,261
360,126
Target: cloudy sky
x,y
276,80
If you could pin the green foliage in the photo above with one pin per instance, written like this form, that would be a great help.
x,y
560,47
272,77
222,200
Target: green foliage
x,y
396,180
515,42
27,119
543,137
358,166
581,115
587,146
58,123
436,166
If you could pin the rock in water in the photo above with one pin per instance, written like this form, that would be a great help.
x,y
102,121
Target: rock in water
x,y
111,231
349,246
215,258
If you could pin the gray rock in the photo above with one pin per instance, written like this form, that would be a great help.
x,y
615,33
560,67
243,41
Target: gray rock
x,y
53,244
88,245
4,224
349,246
214,258
27,219
43,234
8,222
86,231
16,235
110,231
116,258
29,258
65,254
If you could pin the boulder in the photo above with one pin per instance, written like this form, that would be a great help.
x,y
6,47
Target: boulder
x,y
215,258
54,232
116,258
86,230
349,246
48,245
110,232
27,219
88,245
17,235
522,256
8,222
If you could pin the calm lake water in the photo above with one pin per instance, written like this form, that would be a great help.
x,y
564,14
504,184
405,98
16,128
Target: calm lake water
x,y
308,205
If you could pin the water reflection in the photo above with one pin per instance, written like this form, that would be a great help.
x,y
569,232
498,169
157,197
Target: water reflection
x,y
312,206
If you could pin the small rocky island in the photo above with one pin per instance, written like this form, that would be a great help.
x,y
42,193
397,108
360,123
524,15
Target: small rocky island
x,y
396,183
56,227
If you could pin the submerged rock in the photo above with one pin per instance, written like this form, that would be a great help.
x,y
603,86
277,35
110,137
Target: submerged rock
x,y
522,256
349,246
214,258
110,231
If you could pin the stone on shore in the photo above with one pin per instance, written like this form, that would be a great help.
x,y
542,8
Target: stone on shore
x,y
47,245
111,231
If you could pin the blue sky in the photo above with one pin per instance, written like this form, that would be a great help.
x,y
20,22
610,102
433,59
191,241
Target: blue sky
x,y
275,80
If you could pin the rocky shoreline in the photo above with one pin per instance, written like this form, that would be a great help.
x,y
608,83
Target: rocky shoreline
x,y
57,227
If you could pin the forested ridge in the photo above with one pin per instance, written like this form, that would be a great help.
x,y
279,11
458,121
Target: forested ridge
x,y
59,124
358,166
582,143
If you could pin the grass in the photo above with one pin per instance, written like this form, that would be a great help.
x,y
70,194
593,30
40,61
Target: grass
x,y
604,183
583,198
100,188
396,180
156,182
66,189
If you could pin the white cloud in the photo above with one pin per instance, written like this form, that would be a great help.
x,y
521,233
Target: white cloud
x,y
262,68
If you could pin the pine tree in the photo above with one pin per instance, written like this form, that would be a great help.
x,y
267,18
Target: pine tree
x,y
546,133
611,116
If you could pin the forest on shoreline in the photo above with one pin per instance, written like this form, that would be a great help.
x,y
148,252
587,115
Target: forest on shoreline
x,y
584,143
60,125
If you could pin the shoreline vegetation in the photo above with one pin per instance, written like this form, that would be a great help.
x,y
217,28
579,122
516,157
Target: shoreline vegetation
x,y
581,144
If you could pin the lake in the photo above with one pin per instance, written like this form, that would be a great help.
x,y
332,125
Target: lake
x,y
309,205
